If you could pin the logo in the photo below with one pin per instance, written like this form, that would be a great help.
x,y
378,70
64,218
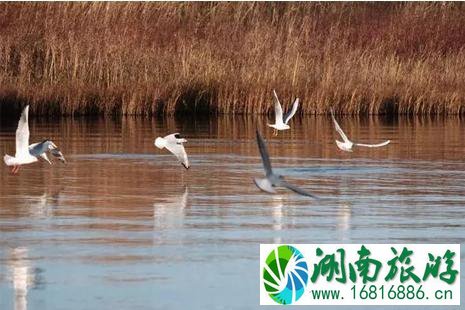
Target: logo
x,y
285,274
360,274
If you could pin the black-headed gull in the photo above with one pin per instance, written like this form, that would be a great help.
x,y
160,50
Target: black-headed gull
x,y
273,180
280,119
174,144
22,156
348,145
40,150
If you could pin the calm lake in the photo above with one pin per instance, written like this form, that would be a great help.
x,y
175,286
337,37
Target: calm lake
x,y
124,226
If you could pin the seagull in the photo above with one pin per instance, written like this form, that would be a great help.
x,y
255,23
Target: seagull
x,y
280,120
347,145
174,144
273,180
22,156
40,150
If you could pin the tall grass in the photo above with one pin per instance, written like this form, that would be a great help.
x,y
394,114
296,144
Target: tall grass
x,y
145,58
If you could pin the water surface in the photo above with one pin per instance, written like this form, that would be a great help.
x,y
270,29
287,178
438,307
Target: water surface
x,y
124,226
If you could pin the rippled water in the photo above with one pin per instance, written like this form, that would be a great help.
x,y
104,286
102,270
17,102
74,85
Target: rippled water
x,y
124,226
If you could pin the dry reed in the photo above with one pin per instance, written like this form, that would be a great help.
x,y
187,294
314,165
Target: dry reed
x,y
145,58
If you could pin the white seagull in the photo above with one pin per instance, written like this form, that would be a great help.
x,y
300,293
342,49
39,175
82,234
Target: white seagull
x,y
280,120
40,150
22,156
174,144
273,180
347,145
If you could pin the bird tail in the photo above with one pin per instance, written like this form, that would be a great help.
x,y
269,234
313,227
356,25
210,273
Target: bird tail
x,y
9,160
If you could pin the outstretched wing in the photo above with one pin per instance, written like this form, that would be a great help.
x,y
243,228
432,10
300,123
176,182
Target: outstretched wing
x,y
291,113
338,128
373,145
174,144
278,110
22,134
296,189
180,153
264,155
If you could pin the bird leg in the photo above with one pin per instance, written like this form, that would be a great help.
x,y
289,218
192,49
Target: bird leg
x,y
275,132
15,169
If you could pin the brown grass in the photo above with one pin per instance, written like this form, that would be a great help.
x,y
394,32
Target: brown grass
x,y
144,58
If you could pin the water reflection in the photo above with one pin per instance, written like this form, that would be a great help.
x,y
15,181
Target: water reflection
x,y
22,275
42,206
277,205
344,214
169,213
122,211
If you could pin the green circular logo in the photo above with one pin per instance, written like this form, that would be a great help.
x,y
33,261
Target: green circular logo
x,y
285,274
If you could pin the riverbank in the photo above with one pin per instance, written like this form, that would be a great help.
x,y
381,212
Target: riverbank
x,y
146,58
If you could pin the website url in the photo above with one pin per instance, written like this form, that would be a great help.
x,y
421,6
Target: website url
x,y
326,294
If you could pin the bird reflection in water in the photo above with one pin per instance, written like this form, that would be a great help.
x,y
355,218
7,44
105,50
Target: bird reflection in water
x,y
42,206
23,276
277,205
344,215
169,213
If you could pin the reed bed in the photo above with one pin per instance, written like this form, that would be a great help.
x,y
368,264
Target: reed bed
x,y
147,58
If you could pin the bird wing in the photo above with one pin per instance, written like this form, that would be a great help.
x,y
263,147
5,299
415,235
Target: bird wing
x,y
22,134
264,155
338,128
36,149
374,145
278,110
174,138
174,146
296,189
291,113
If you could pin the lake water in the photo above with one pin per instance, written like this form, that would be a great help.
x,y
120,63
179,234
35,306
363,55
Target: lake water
x,y
124,226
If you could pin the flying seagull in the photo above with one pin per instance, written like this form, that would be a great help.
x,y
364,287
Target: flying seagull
x,y
40,150
174,144
273,180
280,120
22,156
347,145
